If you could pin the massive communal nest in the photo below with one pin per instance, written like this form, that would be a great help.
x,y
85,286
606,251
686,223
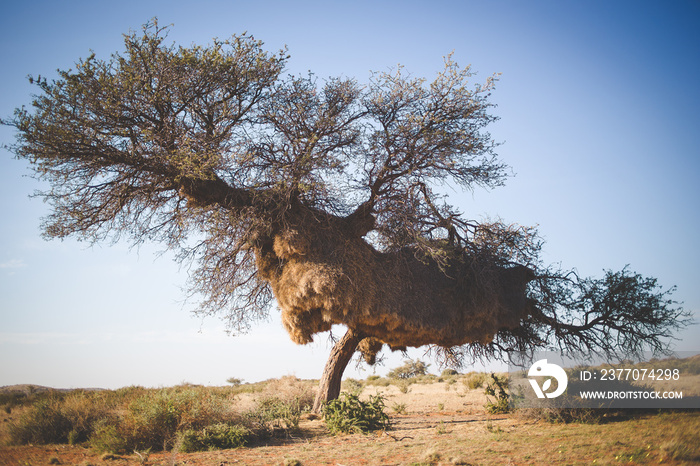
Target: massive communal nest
x,y
322,274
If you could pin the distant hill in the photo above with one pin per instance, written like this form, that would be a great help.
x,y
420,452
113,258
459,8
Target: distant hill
x,y
28,389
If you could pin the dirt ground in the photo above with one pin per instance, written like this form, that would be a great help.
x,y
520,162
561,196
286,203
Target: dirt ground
x,y
440,423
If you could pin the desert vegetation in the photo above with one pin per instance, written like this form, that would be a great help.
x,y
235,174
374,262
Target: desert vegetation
x,y
451,418
185,417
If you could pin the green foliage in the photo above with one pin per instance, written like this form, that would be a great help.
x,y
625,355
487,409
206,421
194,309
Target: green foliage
x,y
348,414
448,373
217,436
409,370
496,387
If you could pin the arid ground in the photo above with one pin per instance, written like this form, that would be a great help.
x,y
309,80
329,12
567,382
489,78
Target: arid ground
x,y
443,422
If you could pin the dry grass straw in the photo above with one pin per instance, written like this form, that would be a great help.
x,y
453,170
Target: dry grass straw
x,y
136,418
323,277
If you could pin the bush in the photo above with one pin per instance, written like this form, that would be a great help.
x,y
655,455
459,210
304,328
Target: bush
x,y
154,419
572,409
291,389
58,418
408,370
559,415
497,387
279,407
352,386
43,422
218,436
107,438
83,411
136,418
474,380
13,399
378,381
273,415
348,414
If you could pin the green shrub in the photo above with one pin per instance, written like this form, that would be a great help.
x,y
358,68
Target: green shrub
x,y
218,436
496,387
449,373
348,414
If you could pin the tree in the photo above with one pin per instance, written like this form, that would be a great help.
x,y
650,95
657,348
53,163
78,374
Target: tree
x,y
320,195
409,370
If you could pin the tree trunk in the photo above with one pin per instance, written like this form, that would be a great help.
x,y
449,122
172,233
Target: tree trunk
x,y
329,386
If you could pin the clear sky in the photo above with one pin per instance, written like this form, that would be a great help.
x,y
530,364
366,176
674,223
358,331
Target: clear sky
x,y
600,119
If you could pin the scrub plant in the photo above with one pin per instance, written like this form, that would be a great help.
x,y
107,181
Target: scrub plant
x,y
348,414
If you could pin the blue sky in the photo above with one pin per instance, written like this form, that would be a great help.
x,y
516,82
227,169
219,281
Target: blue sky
x,y
600,120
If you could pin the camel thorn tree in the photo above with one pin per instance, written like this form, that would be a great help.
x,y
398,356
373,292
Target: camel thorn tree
x,y
320,196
